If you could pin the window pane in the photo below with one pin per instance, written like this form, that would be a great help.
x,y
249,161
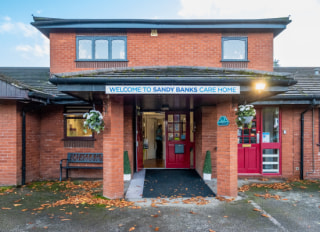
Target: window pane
x,y
101,49
270,125
85,49
234,49
75,127
270,160
118,49
253,140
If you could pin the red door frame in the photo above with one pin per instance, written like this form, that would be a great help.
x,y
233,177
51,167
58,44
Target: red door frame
x,y
261,145
139,142
170,144
273,145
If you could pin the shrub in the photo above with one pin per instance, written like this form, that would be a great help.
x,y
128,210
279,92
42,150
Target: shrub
x,y
207,163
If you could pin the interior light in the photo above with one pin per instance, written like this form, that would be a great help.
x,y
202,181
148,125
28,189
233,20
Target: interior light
x,y
165,107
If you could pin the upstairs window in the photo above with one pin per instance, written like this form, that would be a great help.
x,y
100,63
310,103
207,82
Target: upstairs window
x,y
234,49
101,48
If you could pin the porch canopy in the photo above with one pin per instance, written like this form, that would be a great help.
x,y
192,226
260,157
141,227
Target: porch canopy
x,y
91,85
176,88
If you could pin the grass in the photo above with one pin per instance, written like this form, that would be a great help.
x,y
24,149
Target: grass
x,y
5,188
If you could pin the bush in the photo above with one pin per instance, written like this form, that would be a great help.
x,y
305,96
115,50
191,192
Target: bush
x,y
126,163
207,163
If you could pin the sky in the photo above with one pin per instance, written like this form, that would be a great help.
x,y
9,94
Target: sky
x,y
22,45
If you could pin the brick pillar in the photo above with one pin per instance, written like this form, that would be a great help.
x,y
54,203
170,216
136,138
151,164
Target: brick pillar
x,y
227,155
113,138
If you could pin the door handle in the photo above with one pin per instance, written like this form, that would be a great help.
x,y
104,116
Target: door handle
x,y
258,137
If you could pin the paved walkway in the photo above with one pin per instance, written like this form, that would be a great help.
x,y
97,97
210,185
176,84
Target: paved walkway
x,y
24,209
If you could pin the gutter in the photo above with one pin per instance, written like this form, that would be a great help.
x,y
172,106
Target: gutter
x,y
162,80
312,144
297,97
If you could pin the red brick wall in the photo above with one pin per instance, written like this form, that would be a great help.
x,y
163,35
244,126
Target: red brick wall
x,y
10,168
62,52
291,140
206,137
260,51
291,116
52,148
198,141
18,118
167,49
32,146
310,161
174,48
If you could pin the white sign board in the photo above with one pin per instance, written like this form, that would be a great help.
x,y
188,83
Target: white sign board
x,y
171,89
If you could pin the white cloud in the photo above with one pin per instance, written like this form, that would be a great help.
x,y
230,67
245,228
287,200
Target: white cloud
x,y
28,43
7,18
24,48
199,8
27,30
5,27
17,28
298,45
40,49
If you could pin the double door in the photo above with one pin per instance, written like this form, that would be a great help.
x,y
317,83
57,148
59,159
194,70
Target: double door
x,y
177,140
259,147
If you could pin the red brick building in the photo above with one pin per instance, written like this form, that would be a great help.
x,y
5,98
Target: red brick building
x,y
187,75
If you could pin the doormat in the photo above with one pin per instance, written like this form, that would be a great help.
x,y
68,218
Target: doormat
x,y
174,183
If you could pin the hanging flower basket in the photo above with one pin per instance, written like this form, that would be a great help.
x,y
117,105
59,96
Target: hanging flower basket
x,y
248,119
94,121
245,115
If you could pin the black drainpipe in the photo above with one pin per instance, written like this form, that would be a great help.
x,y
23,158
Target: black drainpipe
x,y
23,178
302,136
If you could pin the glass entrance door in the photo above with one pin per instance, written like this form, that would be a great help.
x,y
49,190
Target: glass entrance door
x,y
271,143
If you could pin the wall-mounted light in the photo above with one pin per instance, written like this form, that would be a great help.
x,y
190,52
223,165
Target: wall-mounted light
x,y
165,107
154,32
260,86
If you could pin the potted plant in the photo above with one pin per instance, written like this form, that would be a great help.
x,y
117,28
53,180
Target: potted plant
x,y
245,115
126,167
207,169
93,121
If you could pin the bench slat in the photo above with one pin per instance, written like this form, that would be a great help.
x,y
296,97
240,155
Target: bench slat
x,y
85,157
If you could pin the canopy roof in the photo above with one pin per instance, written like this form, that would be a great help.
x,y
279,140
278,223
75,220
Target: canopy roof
x,y
90,85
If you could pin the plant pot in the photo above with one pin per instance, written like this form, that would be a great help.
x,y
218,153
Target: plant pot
x,y
126,177
207,176
248,119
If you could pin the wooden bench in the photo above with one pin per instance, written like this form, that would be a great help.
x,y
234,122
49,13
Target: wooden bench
x,y
84,158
